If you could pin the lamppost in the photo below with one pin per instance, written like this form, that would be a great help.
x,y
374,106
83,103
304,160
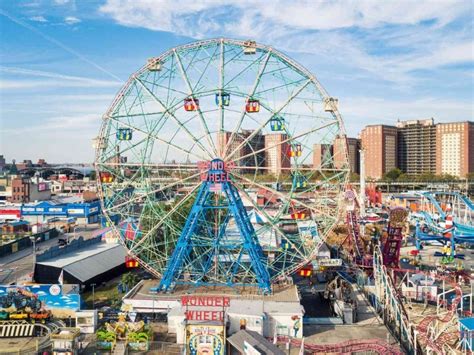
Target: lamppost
x,y
34,240
74,233
93,296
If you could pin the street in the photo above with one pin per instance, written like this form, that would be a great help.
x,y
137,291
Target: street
x,y
18,267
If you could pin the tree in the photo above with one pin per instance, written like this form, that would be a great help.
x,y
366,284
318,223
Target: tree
x,y
392,175
354,177
129,280
92,175
13,169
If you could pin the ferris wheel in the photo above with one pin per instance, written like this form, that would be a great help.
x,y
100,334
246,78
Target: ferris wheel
x,y
215,165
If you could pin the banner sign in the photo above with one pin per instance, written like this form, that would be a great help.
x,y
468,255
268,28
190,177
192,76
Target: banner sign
x,y
216,305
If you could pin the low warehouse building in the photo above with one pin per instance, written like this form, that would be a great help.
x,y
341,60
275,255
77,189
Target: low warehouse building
x,y
93,264
84,212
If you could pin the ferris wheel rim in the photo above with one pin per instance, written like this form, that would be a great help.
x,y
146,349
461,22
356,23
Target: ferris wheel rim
x,y
135,78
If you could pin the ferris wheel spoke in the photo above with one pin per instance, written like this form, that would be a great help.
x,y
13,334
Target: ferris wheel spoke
x,y
278,193
264,213
154,165
236,76
138,114
165,217
201,116
221,89
190,153
289,139
301,80
273,114
172,115
153,192
164,87
211,58
250,94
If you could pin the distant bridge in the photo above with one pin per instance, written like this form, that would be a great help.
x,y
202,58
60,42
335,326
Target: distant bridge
x,y
47,171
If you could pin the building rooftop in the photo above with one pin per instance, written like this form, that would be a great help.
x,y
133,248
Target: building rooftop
x,y
257,341
251,307
90,261
281,293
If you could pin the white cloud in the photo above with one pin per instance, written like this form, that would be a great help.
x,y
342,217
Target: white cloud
x,y
344,31
38,19
310,15
60,80
71,123
71,20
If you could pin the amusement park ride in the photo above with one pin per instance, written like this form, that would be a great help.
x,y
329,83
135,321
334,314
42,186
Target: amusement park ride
x,y
188,143
447,218
197,134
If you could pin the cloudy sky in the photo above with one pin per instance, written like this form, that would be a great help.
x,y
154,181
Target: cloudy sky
x,y
62,61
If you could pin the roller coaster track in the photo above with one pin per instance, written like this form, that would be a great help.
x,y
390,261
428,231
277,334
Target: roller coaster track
x,y
437,344
457,200
346,347
354,231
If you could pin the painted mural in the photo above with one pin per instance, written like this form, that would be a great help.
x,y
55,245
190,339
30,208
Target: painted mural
x,y
28,300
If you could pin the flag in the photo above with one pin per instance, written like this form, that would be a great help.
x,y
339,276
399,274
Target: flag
x,y
302,347
61,277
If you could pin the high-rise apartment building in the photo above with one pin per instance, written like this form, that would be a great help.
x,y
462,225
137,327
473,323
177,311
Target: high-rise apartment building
x,y
380,145
455,148
322,156
276,153
223,139
251,152
417,146
352,146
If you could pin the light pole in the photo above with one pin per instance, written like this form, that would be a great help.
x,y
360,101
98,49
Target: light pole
x,y
93,296
33,240
74,233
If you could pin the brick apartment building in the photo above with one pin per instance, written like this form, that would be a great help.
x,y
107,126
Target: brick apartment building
x,y
25,190
455,148
276,153
417,146
380,145
352,146
322,156
252,152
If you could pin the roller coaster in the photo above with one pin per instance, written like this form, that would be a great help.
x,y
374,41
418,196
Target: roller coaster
x,y
447,218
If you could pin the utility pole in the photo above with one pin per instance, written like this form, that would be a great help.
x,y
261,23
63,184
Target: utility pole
x,y
93,296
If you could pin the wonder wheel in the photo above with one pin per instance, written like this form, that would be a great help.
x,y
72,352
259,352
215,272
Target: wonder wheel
x,y
216,166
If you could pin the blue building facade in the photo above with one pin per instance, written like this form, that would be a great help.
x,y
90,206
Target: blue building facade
x,y
85,212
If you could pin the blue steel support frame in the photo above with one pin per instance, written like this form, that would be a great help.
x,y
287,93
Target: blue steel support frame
x,y
192,226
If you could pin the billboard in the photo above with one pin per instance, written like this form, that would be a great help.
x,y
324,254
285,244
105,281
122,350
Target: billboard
x,y
205,339
53,298
42,186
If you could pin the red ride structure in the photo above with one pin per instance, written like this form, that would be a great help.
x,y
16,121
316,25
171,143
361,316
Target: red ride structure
x,y
391,248
393,241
